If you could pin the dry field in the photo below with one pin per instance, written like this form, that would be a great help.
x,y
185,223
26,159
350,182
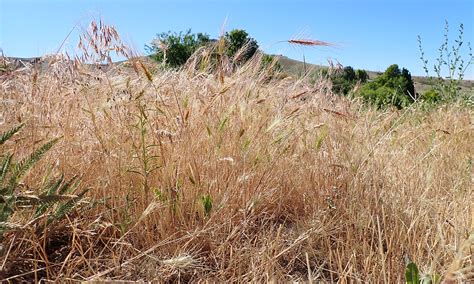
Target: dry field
x,y
235,177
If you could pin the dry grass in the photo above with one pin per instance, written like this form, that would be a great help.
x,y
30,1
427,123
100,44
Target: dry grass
x,y
310,42
303,184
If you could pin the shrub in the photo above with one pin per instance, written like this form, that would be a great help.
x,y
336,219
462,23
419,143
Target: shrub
x,y
392,88
431,96
349,73
343,82
362,75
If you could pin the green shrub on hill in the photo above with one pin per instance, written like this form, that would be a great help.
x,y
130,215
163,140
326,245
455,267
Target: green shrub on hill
x,y
362,75
393,88
431,96
174,49
343,82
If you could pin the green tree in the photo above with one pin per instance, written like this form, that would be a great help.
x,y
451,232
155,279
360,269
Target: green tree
x,y
392,88
238,39
409,86
349,73
343,82
362,76
392,72
174,49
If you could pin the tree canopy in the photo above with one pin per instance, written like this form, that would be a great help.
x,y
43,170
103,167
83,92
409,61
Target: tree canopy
x,y
240,46
174,49
393,87
345,80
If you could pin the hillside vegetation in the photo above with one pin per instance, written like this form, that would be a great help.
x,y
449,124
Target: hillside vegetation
x,y
220,175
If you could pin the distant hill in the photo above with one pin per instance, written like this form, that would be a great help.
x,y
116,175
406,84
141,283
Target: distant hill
x,y
422,83
291,66
296,67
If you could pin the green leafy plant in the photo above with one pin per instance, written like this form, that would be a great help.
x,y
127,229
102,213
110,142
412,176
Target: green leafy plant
x,y
206,201
125,219
321,137
147,160
431,96
53,200
412,276
450,66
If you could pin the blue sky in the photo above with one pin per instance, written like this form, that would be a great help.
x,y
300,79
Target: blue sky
x,y
370,34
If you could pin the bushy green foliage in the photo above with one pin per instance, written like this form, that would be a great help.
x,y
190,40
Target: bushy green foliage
x,y
393,88
431,96
344,81
240,46
174,49
362,75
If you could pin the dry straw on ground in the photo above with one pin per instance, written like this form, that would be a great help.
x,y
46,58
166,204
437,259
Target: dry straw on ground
x,y
304,185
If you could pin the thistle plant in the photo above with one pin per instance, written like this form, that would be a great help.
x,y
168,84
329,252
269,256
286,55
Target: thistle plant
x,y
52,201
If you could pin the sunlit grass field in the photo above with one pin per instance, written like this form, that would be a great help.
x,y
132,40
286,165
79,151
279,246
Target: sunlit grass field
x,y
233,176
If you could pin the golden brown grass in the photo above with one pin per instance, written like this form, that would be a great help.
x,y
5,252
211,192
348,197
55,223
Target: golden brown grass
x,y
310,42
305,185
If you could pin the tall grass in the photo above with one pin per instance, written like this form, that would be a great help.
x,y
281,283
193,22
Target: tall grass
x,y
241,177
